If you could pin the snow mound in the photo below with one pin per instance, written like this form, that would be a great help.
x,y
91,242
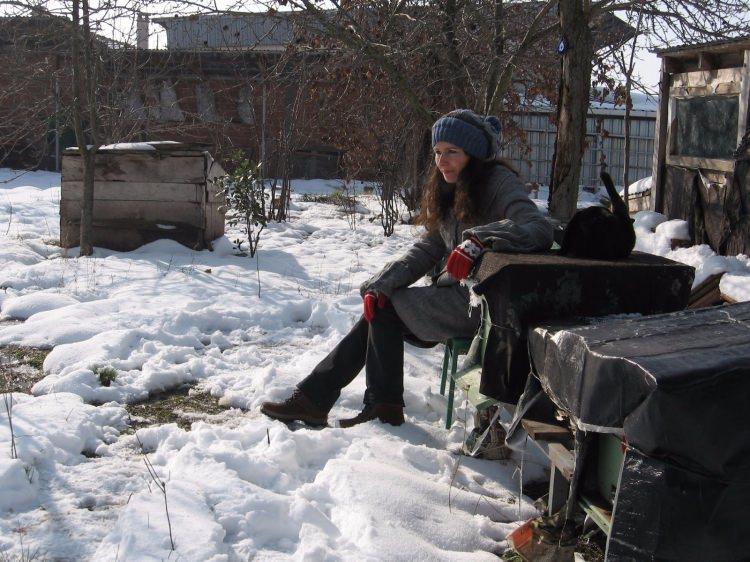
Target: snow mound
x,y
643,184
25,306
49,430
648,220
675,229
67,429
318,495
142,531
18,485
736,286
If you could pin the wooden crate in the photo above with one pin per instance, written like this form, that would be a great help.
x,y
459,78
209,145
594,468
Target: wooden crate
x,y
639,201
144,192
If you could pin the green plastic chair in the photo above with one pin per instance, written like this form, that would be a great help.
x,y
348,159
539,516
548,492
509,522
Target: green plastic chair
x,y
455,347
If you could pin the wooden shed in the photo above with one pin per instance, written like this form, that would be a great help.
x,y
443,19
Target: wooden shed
x,y
702,158
144,192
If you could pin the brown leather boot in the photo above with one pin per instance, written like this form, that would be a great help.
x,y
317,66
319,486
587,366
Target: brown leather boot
x,y
386,413
298,407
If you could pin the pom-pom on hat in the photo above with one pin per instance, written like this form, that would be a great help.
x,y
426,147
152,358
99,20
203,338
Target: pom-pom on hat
x,y
478,136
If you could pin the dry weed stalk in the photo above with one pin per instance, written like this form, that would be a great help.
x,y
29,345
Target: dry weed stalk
x,y
160,484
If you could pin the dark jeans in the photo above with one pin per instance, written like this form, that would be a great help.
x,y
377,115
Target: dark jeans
x,y
379,347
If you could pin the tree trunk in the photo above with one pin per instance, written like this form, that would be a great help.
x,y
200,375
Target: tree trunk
x,y
627,139
86,247
454,71
572,109
424,164
411,190
84,103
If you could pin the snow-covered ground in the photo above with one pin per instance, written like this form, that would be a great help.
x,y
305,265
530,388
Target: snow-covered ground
x,y
74,485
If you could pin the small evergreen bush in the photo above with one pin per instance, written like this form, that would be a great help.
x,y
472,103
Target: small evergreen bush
x,y
245,197
106,375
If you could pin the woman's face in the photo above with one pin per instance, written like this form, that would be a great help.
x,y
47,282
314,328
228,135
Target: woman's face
x,y
450,160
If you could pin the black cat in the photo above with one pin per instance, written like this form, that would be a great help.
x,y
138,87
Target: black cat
x,y
598,233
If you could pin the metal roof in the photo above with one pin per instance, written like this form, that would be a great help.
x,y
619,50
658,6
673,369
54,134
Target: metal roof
x,y
707,45
644,105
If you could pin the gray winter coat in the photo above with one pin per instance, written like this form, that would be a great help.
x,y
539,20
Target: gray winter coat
x,y
509,222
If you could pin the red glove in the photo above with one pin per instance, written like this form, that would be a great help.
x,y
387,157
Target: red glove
x,y
461,260
373,300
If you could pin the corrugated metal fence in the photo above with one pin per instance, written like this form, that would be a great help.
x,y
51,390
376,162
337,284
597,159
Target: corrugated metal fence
x,y
605,139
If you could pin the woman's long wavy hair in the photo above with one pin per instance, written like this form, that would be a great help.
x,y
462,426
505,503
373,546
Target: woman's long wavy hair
x,y
464,199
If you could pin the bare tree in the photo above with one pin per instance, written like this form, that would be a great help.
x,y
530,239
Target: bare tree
x,y
624,60
63,41
85,81
385,71
429,57
72,70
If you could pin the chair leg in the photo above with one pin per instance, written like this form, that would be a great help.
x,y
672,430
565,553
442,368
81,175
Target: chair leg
x,y
452,390
446,358
449,411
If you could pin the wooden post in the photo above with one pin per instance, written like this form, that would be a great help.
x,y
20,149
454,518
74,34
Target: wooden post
x,y
559,489
744,99
660,141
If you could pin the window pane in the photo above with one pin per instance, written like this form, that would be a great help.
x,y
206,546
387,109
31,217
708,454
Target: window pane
x,y
707,126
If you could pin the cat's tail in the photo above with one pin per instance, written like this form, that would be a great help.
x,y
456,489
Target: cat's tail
x,y
619,207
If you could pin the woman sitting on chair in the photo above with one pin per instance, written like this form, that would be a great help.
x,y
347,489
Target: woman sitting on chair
x,y
472,202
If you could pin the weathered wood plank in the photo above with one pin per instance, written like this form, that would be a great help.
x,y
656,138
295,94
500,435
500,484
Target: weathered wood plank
x,y
660,142
707,292
213,172
546,431
115,237
212,195
215,169
559,456
141,167
134,191
707,78
215,221
744,109
559,489
150,211
640,201
703,163
562,458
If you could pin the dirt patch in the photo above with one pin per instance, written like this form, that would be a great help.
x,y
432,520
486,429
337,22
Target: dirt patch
x,y
182,406
21,368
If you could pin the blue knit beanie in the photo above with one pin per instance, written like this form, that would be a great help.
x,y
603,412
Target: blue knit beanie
x,y
478,136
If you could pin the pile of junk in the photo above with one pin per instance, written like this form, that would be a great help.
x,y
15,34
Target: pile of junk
x,y
637,403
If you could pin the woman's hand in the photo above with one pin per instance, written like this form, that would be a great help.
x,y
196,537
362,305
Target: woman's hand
x,y
462,259
373,301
